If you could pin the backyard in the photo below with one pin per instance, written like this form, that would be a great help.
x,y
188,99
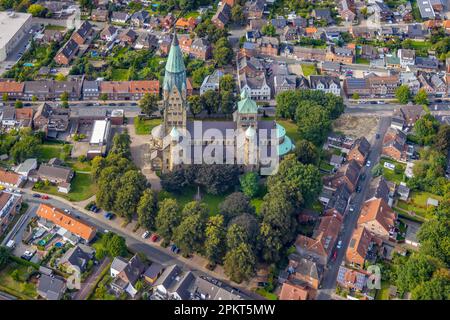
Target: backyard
x,y
397,175
308,69
417,203
13,280
49,150
82,188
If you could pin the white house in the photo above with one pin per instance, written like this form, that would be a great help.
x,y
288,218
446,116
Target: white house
x,y
327,84
407,57
256,87
211,82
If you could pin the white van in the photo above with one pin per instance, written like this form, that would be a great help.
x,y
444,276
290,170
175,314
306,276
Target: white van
x,y
11,244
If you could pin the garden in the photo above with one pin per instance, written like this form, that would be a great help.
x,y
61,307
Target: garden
x,y
15,280
417,203
143,126
397,174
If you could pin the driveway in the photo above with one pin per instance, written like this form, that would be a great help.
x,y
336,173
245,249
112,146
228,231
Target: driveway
x,y
89,283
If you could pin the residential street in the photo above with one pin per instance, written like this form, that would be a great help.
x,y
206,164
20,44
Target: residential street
x,y
154,252
351,218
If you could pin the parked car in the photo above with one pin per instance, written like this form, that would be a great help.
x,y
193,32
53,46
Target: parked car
x,y
358,189
45,197
36,195
154,237
145,235
109,215
377,136
368,163
27,255
263,284
339,244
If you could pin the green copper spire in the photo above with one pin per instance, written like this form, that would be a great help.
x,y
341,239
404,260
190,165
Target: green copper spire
x,y
175,70
246,104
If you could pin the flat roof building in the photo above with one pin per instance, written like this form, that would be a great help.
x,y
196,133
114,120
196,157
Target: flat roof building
x,y
13,26
100,133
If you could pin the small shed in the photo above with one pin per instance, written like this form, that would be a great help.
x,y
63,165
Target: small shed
x,y
432,202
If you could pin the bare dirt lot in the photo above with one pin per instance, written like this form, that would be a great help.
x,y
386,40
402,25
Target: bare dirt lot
x,y
355,127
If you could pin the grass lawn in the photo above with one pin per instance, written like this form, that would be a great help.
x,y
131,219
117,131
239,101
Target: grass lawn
x,y
188,194
418,203
417,45
120,75
291,129
391,175
325,166
54,27
19,287
82,188
50,150
79,166
383,293
308,69
145,126
362,60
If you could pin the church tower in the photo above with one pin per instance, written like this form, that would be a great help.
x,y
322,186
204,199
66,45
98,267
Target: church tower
x,y
174,89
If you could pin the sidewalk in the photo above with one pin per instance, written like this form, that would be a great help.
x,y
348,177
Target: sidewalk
x,y
194,263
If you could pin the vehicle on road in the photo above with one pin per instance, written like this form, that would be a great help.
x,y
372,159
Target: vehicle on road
x,y
368,163
377,136
333,258
45,197
358,189
339,244
36,195
351,209
145,235
66,211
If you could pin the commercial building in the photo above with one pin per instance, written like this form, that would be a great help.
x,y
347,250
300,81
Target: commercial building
x,y
13,27
99,138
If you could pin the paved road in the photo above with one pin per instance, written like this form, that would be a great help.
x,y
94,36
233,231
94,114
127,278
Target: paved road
x,y
89,283
351,218
135,242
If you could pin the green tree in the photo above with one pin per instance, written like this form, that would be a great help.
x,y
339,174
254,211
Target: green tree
x,y
421,97
426,128
227,83
146,210
208,102
438,288
215,239
131,185
313,122
222,52
148,104
434,237
36,10
5,97
355,96
34,98
239,263
227,101
237,14
190,234
60,77
168,218
442,139
103,97
234,205
195,105
115,244
4,257
269,30
18,104
403,94
250,184
306,152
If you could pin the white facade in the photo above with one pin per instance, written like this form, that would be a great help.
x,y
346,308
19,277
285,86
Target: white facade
x,y
13,27
333,88
262,93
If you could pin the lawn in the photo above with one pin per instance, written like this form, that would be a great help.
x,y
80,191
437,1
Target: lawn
x,y
82,188
142,126
119,75
19,288
383,293
308,69
80,166
188,194
50,150
418,203
392,175
417,45
362,60
291,129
